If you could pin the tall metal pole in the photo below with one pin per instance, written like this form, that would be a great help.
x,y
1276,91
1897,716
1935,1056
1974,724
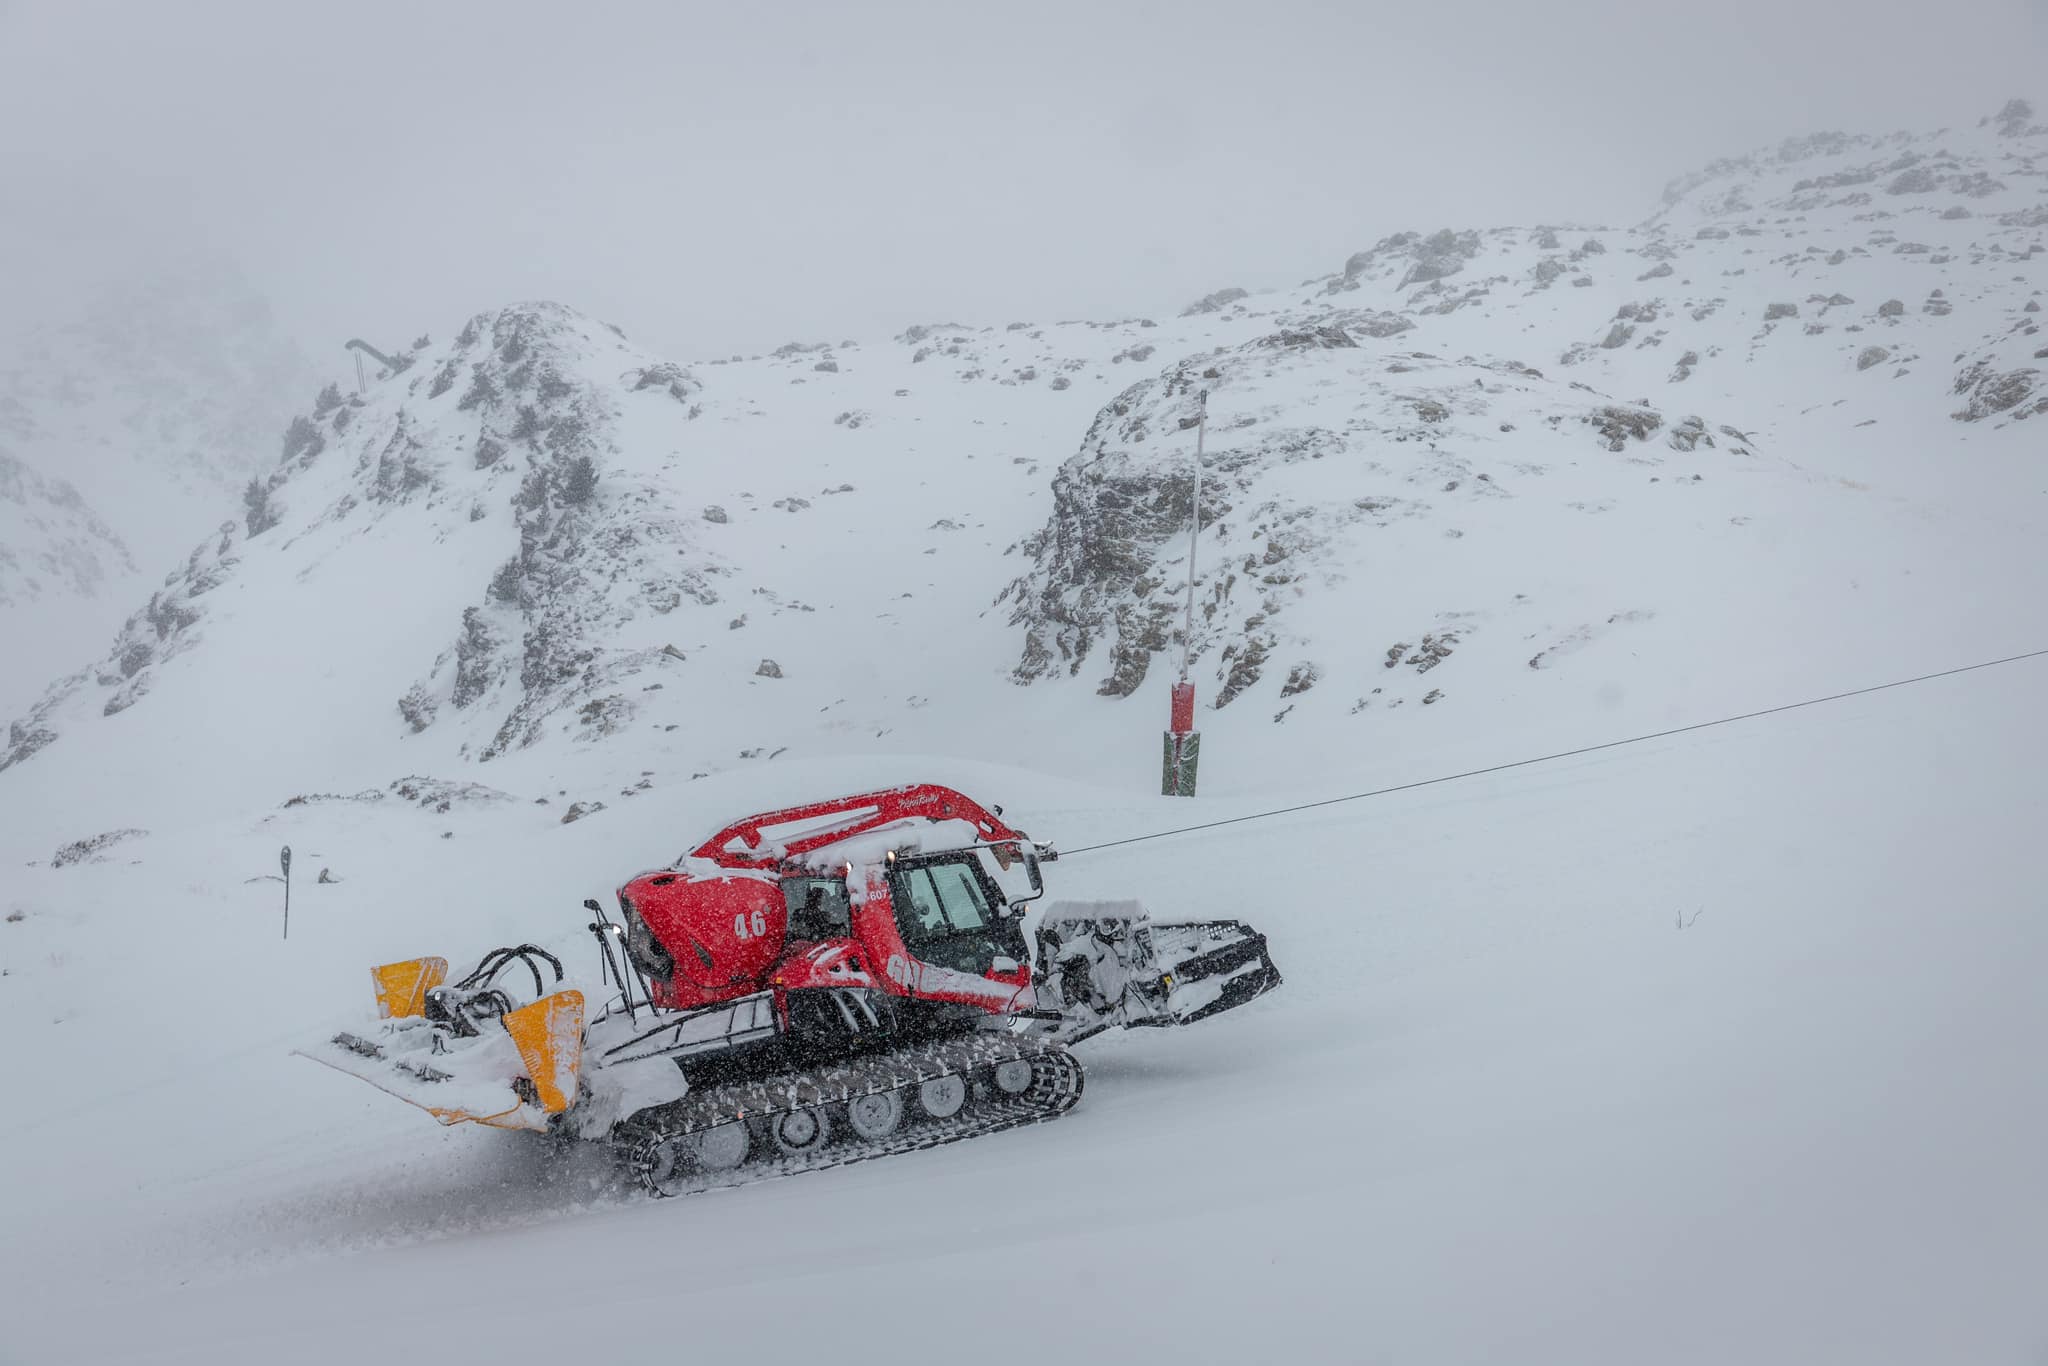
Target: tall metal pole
x,y
1187,640
1183,745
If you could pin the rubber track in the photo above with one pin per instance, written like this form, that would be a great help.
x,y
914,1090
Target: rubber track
x,y
1056,1081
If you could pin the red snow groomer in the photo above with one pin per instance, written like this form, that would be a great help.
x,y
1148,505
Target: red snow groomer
x,y
807,987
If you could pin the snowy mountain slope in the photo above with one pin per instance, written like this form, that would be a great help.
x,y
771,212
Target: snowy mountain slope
x,y
1738,355
466,482
128,429
741,512
1402,437
56,543
1503,1108
1788,265
732,525
1449,484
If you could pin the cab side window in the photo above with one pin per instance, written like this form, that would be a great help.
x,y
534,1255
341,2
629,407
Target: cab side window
x,y
818,908
960,896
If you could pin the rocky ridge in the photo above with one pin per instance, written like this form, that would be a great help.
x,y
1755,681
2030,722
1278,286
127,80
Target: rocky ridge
x,y
1423,468
510,429
1797,259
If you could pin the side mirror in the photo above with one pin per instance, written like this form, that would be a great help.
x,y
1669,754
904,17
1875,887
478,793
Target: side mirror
x,y
1031,869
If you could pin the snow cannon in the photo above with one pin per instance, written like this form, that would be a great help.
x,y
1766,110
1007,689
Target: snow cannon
x,y
481,1050
811,986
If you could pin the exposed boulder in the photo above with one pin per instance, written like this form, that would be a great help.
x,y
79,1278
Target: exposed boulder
x,y
1992,391
1315,338
1421,260
1915,180
1300,679
1214,303
1616,424
94,849
1439,255
665,375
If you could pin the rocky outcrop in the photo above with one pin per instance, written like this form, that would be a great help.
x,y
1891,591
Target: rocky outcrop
x,y
1214,303
2015,119
1989,391
160,631
93,849
1292,496
590,552
513,422
1408,258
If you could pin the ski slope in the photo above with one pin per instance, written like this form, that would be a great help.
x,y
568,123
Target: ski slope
x,y
1503,1108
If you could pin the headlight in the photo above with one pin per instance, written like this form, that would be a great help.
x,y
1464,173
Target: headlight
x,y
643,948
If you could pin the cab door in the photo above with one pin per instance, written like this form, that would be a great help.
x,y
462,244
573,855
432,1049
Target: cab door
x,y
950,917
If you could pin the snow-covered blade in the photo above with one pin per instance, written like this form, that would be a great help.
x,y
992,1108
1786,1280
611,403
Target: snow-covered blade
x,y
453,1079
1107,965
468,1052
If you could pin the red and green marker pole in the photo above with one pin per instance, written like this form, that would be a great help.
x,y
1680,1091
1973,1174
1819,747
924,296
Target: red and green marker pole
x,y
1183,742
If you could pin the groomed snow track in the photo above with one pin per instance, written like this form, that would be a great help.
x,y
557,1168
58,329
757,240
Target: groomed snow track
x,y
896,1102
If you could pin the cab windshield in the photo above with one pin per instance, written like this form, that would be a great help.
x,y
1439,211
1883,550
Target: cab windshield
x,y
943,913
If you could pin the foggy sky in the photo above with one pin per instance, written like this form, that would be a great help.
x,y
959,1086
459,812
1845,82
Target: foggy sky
x,y
723,177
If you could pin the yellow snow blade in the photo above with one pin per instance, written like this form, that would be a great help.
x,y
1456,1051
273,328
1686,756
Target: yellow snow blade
x,y
518,1117
474,1082
549,1035
402,987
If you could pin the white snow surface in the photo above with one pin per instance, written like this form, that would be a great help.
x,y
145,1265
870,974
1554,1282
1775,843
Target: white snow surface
x,y
1720,1047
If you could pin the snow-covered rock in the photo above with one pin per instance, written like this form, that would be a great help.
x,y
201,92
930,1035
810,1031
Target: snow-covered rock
x,y
1326,465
